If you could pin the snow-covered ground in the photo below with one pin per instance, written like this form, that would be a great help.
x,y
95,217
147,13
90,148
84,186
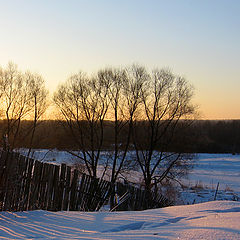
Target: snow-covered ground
x,y
211,220
209,170
213,168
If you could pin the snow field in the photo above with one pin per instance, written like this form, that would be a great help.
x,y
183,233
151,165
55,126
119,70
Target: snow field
x,y
211,220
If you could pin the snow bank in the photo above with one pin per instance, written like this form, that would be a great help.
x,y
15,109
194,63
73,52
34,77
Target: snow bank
x,y
211,220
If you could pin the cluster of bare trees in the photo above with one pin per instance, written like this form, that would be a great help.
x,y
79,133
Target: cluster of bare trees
x,y
22,96
132,98
145,110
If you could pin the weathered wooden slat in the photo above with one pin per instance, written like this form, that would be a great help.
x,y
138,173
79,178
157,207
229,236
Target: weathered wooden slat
x,y
10,167
55,188
21,167
43,186
67,189
11,173
46,178
3,155
35,185
17,179
61,186
27,183
90,195
24,163
73,195
4,181
3,162
86,185
81,193
49,197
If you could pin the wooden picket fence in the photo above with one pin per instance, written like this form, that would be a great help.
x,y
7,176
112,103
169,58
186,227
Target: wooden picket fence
x,y
28,184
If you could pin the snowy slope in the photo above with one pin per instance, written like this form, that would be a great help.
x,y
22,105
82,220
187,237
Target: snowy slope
x,y
212,220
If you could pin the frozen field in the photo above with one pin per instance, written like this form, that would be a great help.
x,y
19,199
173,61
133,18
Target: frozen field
x,y
213,168
209,170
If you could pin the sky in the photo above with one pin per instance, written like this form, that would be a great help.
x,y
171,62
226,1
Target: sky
x,y
199,40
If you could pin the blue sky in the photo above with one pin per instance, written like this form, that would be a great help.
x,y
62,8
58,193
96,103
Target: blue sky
x,y
197,39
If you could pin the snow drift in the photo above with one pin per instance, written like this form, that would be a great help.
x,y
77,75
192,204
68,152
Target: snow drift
x,y
211,220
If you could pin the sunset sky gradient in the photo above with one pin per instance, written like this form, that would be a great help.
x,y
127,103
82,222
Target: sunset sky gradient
x,y
199,40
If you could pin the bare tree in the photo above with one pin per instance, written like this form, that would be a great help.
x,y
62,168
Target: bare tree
x,y
15,100
83,103
23,96
165,101
145,109
39,102
124,96
116,79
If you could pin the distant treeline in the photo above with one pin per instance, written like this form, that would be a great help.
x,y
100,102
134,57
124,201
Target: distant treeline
x,y
202,136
